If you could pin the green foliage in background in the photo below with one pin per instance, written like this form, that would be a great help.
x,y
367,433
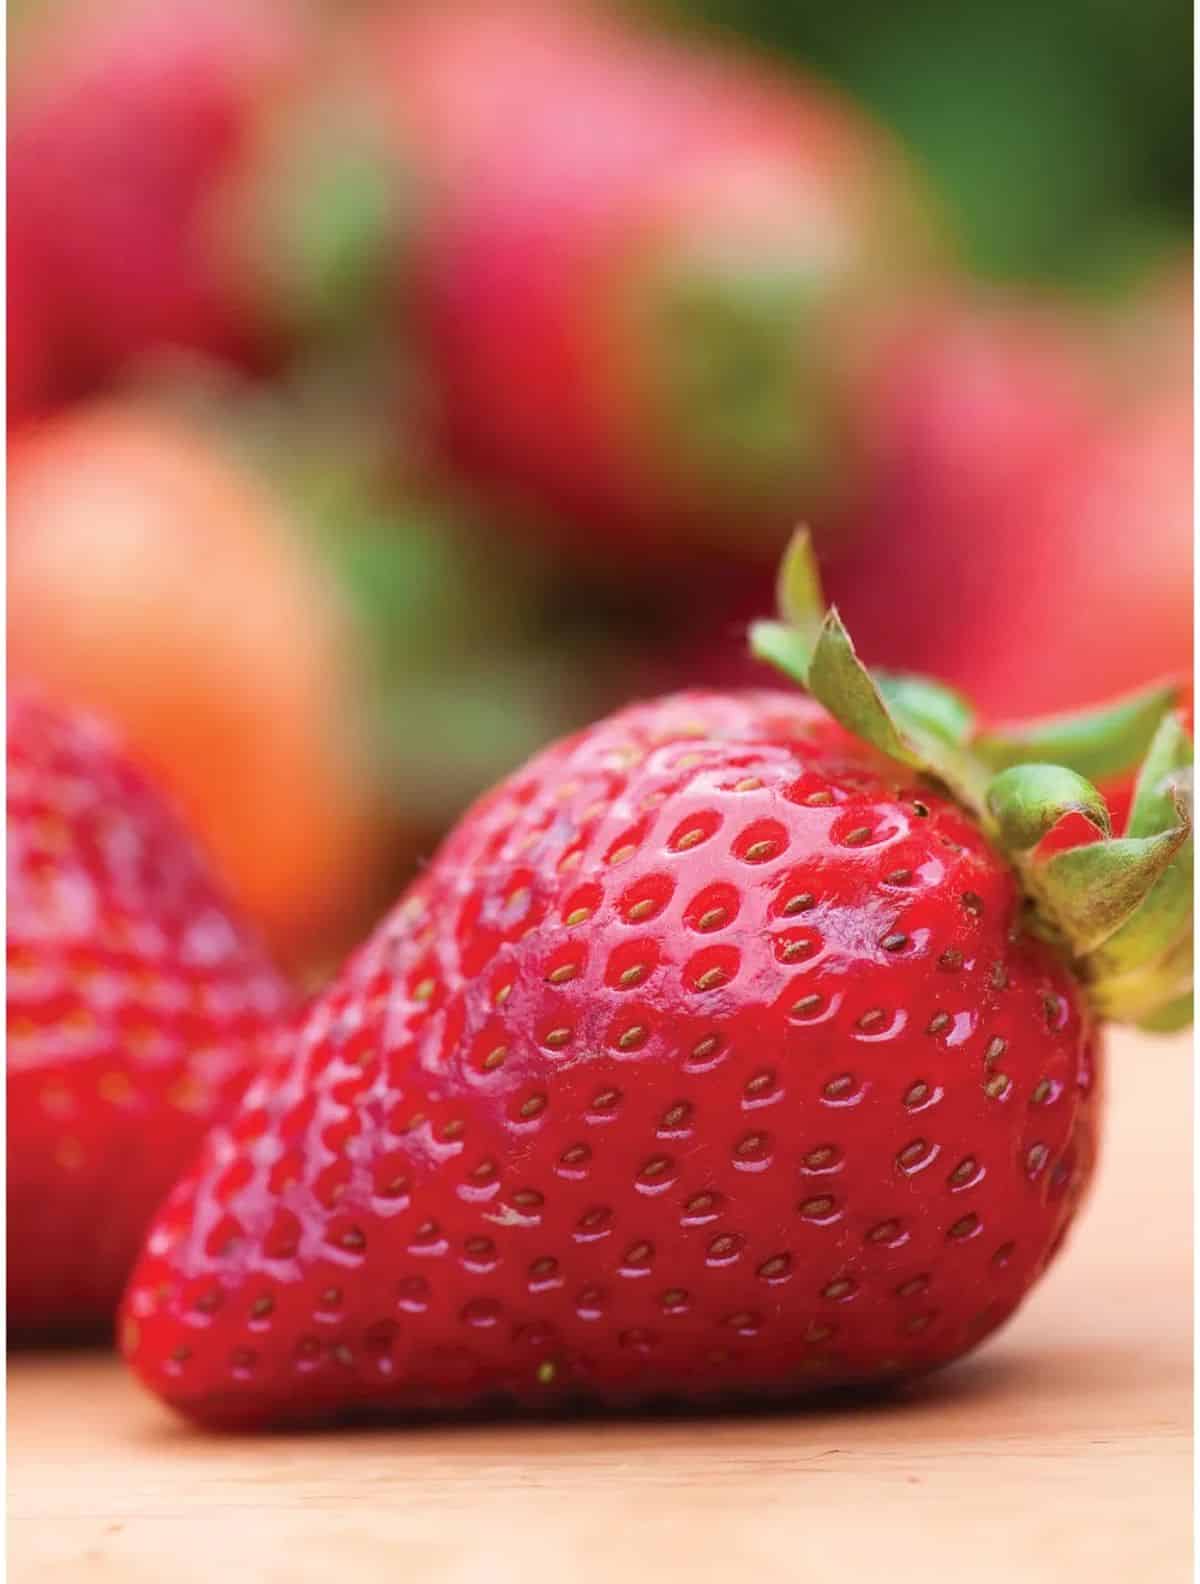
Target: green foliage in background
x,y
1059,131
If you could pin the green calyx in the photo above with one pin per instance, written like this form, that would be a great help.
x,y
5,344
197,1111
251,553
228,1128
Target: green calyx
x,y
1120,906
332,216
727,348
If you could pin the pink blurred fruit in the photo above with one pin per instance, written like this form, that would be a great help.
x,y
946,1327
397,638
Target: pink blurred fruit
x,y
125,121
646,269
971,406
1113,526
1011,493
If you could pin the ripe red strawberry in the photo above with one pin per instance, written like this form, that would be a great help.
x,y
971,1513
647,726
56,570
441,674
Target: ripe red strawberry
x,y
125,121
640,271
714,1053
137,1007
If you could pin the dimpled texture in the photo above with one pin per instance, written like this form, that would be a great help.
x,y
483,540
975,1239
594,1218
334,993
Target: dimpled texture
x,y
705,1059
136,1007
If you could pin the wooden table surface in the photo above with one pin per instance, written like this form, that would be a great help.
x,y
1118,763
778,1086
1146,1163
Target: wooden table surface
x,y
1061,1451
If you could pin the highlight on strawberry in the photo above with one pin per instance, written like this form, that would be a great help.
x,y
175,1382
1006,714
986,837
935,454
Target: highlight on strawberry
x,y
138,1006
740,1046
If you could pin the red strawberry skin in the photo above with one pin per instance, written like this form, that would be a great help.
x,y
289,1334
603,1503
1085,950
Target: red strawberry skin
x,y
136,1009
704,1060
125,122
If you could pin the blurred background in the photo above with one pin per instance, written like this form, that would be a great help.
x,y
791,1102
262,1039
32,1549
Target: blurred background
x,y
395,386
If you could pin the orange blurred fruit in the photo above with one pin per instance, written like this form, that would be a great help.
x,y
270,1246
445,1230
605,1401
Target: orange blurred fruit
x,y
156,579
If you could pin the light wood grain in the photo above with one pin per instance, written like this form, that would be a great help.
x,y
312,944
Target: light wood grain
x,y
1061,1452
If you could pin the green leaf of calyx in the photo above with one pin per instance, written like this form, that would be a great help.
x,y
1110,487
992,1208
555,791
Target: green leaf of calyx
x,y
798,593
1165,773
1028,801
929,705
1171,1018
789,644
838,679
782,648
915,726
1098,743
1090,892
1120,908
1149,958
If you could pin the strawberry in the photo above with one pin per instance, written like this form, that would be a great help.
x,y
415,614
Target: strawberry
x,y
1112,523
740,1044
996,445
125,121
250,715
679,256
137,1007
970,405
962,417
639,270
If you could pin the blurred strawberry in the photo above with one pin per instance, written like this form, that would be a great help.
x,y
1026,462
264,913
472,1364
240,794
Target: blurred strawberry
x,y
642,308
125,121
138,1008
1151,332
153,578
642,269
1109,539
1010,494
32,343
966,403
971,407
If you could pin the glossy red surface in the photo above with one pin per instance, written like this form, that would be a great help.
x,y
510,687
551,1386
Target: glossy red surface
x,y
703,1059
